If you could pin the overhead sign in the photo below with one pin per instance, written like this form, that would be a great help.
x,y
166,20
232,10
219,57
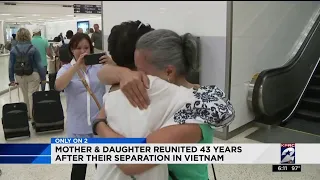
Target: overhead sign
x,y
87,9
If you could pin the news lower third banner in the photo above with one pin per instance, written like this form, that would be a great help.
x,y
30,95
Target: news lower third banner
x,y
136,151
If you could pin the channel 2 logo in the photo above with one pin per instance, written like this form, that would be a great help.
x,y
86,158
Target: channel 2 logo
x,y
288,153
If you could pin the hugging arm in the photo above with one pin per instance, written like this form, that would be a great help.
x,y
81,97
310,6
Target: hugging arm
x,y
111,74
135,83
186,133
211,108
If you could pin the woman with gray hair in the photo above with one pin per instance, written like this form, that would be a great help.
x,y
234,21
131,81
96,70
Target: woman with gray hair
x,y
167,56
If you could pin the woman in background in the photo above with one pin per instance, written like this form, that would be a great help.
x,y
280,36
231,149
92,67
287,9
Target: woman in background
x,y
81,108
164,54
30,82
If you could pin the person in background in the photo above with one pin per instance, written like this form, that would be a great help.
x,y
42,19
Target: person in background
x,y
28,81
96,38
57,38
13,41
69,35
63,49
166,55
43,47
91,31
80,30
80,111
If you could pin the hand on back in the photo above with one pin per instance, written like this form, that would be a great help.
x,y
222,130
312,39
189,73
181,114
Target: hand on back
x,y
134,85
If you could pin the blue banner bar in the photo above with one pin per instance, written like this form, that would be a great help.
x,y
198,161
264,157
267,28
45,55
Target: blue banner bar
x,y
98,140
25,149
25,159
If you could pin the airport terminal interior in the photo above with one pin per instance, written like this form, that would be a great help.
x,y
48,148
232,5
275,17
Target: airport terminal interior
x,y
272,82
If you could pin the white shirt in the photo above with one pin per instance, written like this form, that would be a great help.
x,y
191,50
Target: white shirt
x,y
170,105
164,98
66,41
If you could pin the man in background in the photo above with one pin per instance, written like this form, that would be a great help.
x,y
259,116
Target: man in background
x,y
43,47
96,38
80,30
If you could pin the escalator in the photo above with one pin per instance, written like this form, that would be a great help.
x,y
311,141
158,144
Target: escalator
x,y
287,99
306,117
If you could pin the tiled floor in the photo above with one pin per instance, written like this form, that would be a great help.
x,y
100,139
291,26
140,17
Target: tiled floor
x,y
223,172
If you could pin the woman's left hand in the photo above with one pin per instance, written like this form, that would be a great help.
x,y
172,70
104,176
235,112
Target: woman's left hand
x,y
106,60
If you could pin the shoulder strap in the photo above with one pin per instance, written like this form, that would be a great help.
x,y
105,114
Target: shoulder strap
x,y
29,48
84,82
17,49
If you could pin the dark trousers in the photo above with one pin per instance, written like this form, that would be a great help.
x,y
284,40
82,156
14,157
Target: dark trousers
x,y
79,171
43,85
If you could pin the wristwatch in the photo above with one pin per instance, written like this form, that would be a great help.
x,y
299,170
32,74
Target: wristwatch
x,y
95,123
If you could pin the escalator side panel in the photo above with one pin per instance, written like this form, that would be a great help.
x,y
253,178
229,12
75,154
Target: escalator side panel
x,y
279,88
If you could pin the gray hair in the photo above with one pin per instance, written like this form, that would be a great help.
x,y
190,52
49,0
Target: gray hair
x,y
168,48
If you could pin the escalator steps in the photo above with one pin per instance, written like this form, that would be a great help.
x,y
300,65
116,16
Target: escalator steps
x,y
312,115
303,125
312,100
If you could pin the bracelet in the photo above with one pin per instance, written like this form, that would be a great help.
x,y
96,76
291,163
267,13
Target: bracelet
x,y
95,123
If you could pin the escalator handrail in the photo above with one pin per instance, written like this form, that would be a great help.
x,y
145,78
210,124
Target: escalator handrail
x,y
280,70
301,95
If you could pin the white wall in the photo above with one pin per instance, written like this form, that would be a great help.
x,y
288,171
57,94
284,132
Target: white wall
x,y
2,34
53,29
204,19
263,34
178,16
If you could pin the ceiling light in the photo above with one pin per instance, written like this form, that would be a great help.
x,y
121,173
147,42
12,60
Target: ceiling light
x,y
40,19
53,17
5,14
70,15
35,15
21,17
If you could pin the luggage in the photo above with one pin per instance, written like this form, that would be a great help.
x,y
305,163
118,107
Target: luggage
x,y
47,111
15,120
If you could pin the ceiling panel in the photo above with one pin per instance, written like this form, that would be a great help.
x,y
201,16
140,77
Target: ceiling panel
x,y
56,2
40,13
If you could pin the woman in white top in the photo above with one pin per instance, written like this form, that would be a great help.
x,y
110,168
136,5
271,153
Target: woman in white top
x,y
91,31
171,106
